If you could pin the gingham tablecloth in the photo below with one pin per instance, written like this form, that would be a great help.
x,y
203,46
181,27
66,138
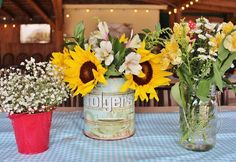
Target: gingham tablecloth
x,y
156,139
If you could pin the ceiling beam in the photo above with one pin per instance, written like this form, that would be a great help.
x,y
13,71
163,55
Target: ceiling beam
x,y
20,8
57,8
41,13
219,3
7,13
214,8
166,2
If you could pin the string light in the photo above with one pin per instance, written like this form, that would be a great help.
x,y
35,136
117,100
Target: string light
x,y
135,10
87,10
14,25
111,10
185,6
147,11
175,10
5,25
67,15
4,18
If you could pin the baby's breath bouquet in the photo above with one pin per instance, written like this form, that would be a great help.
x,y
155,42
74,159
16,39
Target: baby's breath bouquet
x,y
200,52
32,88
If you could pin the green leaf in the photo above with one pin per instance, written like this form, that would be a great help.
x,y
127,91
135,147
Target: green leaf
x,y
112,71
228,62
158,27
79,33
146,30
203,89
217,77
222,52
175,92
79,29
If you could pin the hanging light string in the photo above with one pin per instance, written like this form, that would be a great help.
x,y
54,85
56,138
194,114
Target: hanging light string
x,y
183,7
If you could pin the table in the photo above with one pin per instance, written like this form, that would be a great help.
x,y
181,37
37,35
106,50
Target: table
x,y
156,139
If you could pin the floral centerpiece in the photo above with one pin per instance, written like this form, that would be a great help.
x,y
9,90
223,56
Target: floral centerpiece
x,y
200,53
29,94
107,64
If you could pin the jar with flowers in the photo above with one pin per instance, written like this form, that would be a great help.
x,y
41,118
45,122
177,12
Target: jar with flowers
x,y
200,53
111,73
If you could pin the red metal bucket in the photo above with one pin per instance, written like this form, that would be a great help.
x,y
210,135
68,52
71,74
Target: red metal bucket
x,y
32,131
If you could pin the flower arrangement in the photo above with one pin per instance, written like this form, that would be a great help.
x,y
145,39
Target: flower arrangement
x,y
89,62
33,88
200,53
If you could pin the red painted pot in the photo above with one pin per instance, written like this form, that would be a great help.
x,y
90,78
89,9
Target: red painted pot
x,y
32,131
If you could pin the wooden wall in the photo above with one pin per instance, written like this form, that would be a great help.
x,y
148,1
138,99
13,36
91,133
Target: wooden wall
x,y
10,43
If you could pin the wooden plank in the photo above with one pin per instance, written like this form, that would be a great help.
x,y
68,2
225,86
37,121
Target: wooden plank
x,y
214,8
6,13
166,2
41,13
20,8
57,8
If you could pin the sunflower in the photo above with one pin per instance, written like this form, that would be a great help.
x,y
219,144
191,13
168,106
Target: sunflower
x,y
59,58
83,71
153,78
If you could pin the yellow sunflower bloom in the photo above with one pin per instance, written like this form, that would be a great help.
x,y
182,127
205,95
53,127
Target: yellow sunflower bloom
x,y
153,76
59,58
83,71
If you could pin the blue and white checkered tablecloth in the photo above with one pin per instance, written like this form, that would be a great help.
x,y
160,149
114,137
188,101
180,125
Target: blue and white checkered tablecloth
x,y
156,139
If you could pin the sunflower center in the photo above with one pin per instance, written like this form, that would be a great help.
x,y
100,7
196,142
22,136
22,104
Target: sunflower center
x,y
86,73
147,70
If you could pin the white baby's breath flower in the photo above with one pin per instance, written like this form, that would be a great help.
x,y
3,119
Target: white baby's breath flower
x,y
105,53
198,31
131,64
208,35
201,50
210,26
27,93
202,57
202,37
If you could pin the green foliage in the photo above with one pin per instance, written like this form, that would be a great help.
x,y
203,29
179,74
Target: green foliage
x,y
175,92
78,37
203,89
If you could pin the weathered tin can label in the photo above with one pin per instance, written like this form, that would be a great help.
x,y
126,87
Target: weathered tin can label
x,y
109,116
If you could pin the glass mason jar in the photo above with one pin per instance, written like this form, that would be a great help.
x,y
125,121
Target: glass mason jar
x,y
198,123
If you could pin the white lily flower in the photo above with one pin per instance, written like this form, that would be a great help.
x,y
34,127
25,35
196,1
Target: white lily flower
x,y
131,64
103,31
135,42
105,53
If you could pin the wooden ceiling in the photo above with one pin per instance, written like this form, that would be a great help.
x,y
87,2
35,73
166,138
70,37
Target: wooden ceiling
x,y
41,11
